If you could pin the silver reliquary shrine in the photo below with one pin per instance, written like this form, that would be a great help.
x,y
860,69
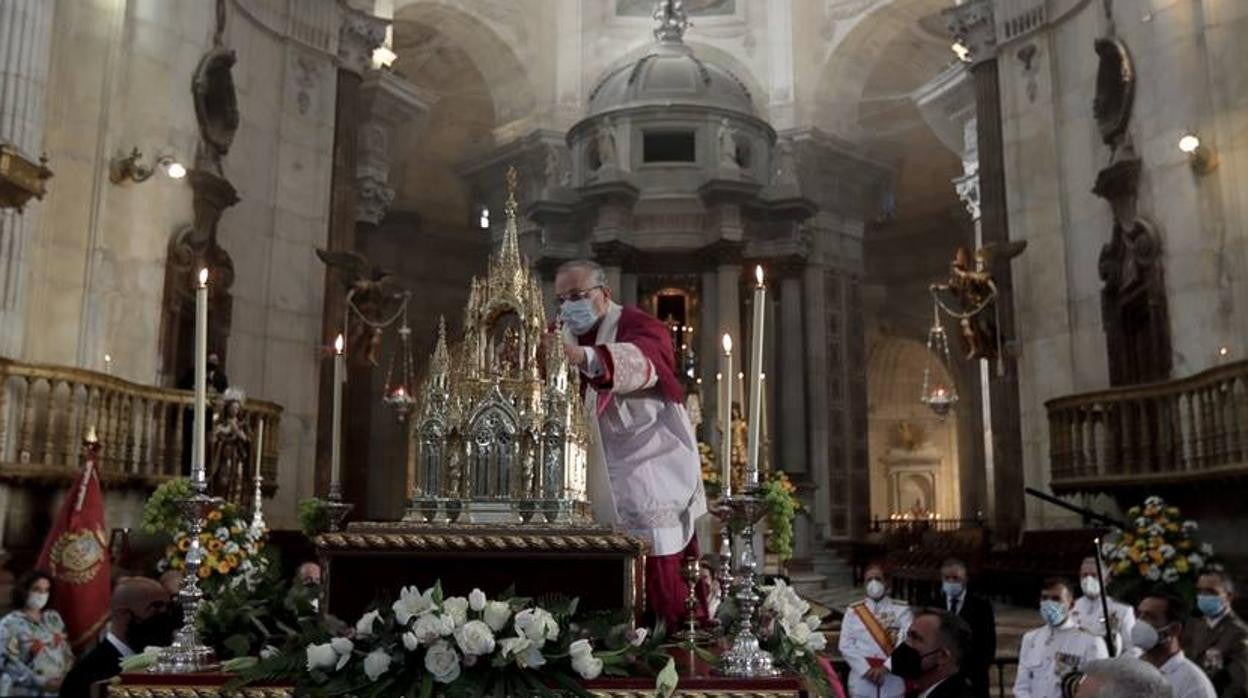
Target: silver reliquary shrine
x,y
498,438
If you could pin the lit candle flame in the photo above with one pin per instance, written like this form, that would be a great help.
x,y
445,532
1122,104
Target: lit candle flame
x,y
758,274
338,344
727,343
203,276
740,374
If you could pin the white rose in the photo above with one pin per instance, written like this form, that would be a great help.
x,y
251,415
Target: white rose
x,y
537,625
321,657
269,652
457,608
364,626
376,663
813,622
442,661
497,613
412,603
580,649
1170,576
528,655
1195,561
410,641
588,667
475,637
639,637
223,534
231,548
799,633
431,626
1153,573
817,642
476,600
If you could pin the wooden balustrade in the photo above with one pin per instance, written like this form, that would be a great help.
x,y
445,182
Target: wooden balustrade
x,y
1174,431
45,411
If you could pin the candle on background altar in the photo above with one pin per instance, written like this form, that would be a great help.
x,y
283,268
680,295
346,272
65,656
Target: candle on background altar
x,y
725,437
756,379
335,484
259,447
201,379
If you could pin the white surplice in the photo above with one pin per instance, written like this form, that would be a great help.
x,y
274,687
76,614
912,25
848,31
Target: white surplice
x,y
645,475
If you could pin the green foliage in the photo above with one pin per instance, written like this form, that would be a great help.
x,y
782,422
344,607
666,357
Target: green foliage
x,y
313,517
162,514
782,507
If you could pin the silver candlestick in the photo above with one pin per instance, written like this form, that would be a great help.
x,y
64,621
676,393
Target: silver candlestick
x,y
692,636
187,654
744,657
725,561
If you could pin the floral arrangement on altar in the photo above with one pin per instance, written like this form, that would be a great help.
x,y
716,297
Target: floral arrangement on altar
x,y
782,507
1158,548
232,547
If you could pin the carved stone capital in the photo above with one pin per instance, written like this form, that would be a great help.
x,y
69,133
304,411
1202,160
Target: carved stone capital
x,y
723,253
973,24
613,253
373,199
967,187
386,102
359,35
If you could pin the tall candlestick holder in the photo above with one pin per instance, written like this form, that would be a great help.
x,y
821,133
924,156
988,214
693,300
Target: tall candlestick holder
x,y
725,562
744,658
186,654
692,635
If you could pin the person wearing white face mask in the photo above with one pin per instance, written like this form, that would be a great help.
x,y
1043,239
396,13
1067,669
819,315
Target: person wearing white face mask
x,y
1158,636
870,632
1059,647
1089,613
36,648
644,472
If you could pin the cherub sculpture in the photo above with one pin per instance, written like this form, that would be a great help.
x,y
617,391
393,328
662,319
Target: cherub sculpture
x,y
975,292
373,297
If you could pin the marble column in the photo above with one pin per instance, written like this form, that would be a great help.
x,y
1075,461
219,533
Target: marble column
x,y
793,378
829,482
359,35
25,47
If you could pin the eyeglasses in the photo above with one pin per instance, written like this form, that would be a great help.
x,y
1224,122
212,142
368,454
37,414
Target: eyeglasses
x,y
576,295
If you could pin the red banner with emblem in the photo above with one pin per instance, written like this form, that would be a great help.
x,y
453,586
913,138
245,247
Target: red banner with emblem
x,y
76,554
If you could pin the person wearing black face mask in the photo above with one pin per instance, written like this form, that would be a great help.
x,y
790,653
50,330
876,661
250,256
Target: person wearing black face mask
x,y
930,660
142,616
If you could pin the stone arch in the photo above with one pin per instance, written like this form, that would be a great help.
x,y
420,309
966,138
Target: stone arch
x,y
877,36
497,38
909,448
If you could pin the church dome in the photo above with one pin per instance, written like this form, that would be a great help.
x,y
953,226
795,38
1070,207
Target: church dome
x,y
669,73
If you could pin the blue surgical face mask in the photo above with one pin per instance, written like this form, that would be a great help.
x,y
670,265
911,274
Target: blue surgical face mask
x,y
1210,605
952,589
1053,612
579,315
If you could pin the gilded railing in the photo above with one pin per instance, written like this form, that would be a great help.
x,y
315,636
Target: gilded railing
x,y
1172,431
144,430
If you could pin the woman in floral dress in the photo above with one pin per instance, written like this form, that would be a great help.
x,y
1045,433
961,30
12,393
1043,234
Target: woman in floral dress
x,y
36,649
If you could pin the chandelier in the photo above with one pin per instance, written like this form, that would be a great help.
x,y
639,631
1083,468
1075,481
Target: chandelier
x,y
397,393
939,396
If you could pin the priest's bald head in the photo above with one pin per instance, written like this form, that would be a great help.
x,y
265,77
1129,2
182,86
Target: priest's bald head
x,y
142,613
583,293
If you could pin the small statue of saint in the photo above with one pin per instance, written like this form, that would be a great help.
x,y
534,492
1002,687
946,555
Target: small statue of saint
x,y
231,449
740,440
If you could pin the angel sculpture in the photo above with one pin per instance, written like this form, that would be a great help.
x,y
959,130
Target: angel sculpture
x,y
975,290
374,301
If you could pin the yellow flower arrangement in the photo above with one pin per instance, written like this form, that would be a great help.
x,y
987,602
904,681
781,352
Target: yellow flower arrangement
x,y
232,549
214,515
1157,547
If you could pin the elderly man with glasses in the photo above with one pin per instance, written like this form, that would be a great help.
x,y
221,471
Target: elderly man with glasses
x,y
644,470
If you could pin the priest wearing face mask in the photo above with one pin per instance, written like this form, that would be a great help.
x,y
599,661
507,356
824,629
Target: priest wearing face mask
x,y
931,659
1089,613
1158,635
1057,648
644,474
869,634
141,617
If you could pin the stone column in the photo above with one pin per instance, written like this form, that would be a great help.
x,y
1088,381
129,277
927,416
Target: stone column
x,y
359,34
627,293
26,38
708,353
818,369
791,410
973,23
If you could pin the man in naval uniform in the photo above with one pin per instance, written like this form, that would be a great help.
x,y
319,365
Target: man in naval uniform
x,y
870,632
1059,647
644,474
1089,614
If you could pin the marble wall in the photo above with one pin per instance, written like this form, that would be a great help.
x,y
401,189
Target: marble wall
x,y
121,78
1183,53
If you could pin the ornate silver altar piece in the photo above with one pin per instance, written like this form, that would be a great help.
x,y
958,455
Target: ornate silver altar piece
x,y
186,654
499,437
744,658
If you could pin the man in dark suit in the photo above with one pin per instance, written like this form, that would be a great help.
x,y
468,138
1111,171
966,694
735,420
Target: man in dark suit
x,y
978,614
931,658
1218,642
142,616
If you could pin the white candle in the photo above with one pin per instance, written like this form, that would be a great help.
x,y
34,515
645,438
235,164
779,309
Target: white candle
x,y
259,447
201,378
335,486
725,440
756,379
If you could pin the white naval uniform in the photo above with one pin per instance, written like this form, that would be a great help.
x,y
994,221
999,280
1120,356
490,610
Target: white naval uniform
x,y
1089,615
857,645
1187,679
1047,654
